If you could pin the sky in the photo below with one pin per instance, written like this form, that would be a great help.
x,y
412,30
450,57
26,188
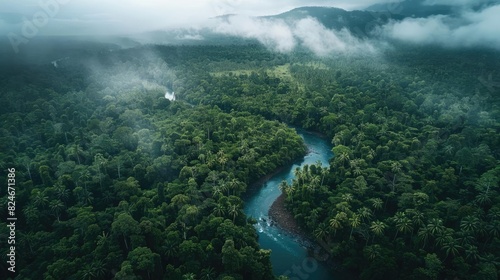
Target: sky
x,y
20,21
102,17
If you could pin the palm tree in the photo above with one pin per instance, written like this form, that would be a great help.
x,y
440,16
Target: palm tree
x,y
465,238
423,234
100,161
347,197
378,228
354,221
471,253
443,237
189,276
84,177
233,210
335,224
170,249
435,226
102,238
283,186
299,175
88,272
27,239
372,252
62,193
216,191
416,216
343,157
396,169
77,150
56,206
207,274
403,225
86,197
377,203
483,199
490,259
219,210
315,181
99,268
324,172
322,231
451,247
364,213
40,199
469,223
494,229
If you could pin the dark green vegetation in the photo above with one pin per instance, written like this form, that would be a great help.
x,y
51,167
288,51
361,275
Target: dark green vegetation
x,y
413,188
114,179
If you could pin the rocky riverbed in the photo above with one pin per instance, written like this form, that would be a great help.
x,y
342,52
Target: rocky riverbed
x,y
283,218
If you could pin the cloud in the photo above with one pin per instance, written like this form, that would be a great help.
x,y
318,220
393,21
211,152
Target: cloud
x,y
470,29
275,34
97,17
284,36
462,3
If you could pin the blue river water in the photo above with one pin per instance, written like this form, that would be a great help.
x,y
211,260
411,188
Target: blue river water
x,y
289,256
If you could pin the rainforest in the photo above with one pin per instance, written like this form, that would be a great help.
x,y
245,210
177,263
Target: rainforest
x,y
131,158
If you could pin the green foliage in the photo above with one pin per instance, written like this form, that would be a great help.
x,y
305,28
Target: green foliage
x,y
115,181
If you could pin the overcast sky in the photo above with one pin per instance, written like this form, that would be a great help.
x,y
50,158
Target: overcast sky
x,y
21,20
86,17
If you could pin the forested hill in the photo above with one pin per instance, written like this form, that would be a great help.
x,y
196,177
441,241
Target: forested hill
x,y
356,22
423,8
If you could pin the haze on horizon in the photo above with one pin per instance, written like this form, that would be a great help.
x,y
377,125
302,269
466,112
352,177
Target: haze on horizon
x,y
22,21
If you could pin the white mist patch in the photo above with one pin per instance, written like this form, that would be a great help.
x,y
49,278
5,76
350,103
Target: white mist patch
x,y
170,96
470,29
275,34
285,36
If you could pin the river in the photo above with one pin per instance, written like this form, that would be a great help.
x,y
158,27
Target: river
x,y
289,256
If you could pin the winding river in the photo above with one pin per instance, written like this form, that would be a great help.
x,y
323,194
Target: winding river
x,y
289,256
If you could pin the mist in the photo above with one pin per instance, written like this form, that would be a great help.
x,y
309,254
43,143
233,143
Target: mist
x,y
470,29
284,36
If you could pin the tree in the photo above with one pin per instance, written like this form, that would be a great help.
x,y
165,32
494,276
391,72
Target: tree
x,y
231,258
469,223
56,206
125,226
208,274
423,235
372,252
378,228
233,210
403,225
143,259
354,221
322,231
435,226
377,203
450,246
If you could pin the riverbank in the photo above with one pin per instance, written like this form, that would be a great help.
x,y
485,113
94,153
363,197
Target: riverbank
x,y
283,218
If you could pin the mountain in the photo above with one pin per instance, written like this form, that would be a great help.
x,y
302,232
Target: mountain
x,y
357,22
419,8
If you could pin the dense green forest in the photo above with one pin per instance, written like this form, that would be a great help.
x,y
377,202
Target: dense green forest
x,y
114,179
112,175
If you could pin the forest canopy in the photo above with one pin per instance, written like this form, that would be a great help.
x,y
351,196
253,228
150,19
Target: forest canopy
x,y
114,180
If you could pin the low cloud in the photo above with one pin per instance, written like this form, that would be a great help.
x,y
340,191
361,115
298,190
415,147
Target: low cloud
x,y
283,36
470,29
462,3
